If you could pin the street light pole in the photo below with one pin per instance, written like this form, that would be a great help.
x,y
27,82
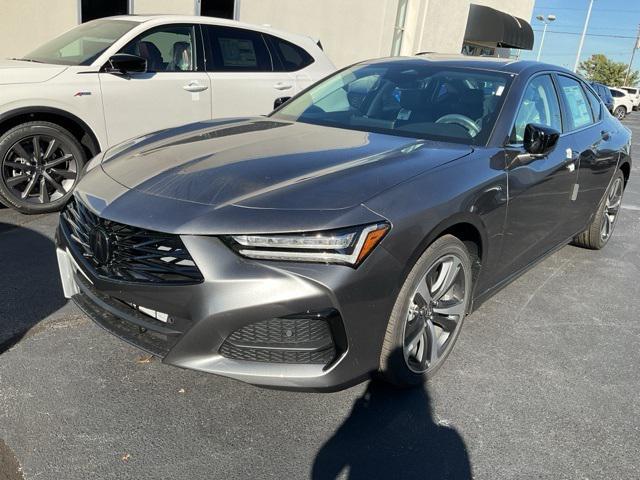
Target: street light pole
x,y
549,19
584,32
633,54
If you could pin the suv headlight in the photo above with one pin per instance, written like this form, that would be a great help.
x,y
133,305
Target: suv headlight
x,y
348,246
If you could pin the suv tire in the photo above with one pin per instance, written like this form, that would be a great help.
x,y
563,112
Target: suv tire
x,y
40,164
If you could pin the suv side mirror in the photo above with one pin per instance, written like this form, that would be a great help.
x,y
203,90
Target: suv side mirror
x,y
539,139
280,101
124,64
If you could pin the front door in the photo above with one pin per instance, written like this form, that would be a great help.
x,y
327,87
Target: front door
x,y
539,201
174,91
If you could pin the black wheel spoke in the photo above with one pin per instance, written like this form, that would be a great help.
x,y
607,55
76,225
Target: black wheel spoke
x,y
37,153
18,166
44,193
17,180
29,188
20,152
50,148
58,161
53,183
66,174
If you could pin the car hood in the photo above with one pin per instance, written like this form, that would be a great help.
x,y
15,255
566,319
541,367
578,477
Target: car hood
x,y
16,71
266,164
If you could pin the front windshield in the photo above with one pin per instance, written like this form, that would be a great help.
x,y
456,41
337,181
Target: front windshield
x,y
407,98
81,45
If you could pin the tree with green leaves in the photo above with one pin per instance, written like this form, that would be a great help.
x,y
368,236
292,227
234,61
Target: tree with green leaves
x,y
599,68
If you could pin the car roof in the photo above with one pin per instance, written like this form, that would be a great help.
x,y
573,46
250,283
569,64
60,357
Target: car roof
x,y
497,64
160,19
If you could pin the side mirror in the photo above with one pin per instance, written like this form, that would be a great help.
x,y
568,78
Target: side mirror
x,y
124,64
280,101
539,139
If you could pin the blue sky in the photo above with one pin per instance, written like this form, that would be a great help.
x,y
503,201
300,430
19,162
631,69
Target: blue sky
x,y
608,17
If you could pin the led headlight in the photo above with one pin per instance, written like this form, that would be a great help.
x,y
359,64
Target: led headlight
x,y
348,246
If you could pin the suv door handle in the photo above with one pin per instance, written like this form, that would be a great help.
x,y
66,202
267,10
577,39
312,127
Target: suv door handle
x,y
195,86
283,86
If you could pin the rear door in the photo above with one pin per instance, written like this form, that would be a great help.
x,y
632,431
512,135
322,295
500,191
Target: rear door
x,y
539,191
240,66
589,138
174,91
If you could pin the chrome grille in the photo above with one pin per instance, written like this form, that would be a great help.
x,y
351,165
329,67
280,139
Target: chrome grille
x,y
133,254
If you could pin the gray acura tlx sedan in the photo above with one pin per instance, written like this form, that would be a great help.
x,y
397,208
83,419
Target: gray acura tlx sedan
x,y
350,232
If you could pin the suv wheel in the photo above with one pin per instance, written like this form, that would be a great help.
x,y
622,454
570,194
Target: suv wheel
x,y
620,112
428,314
40,164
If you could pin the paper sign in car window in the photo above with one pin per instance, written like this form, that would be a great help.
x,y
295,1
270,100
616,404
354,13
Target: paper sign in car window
x,y
237,52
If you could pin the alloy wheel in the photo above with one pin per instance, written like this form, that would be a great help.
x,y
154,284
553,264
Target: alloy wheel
x,y
620,113
611,209
39,169
435,313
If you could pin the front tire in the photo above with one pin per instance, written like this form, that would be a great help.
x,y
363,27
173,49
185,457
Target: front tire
x,y
40,164
620,112
601,228
428,314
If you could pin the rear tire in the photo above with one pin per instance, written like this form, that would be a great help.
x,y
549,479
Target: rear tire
x,y
620,112
40,164
601,228
428,314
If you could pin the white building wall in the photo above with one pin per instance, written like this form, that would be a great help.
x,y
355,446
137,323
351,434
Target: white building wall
x,y
349,30
355,30
173,7
26,24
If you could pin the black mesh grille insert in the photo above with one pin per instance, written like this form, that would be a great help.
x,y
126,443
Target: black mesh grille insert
x,y
295,339
122,252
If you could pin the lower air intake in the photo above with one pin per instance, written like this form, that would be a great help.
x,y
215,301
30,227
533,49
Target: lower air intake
x,y
299,339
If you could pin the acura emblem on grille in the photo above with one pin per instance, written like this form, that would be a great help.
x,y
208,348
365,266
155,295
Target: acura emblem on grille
x,y
100,246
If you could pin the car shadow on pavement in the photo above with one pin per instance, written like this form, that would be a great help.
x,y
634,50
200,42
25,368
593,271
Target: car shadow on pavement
x,y
29,282
391,433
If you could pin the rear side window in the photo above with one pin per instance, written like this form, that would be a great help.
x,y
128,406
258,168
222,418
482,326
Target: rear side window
x,y
236,50
288,57
616,93
539,105
578,107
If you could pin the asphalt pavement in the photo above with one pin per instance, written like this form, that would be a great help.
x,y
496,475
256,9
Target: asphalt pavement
x,y
543,383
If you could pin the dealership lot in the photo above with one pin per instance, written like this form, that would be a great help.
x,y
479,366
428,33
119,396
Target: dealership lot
x,y
542,384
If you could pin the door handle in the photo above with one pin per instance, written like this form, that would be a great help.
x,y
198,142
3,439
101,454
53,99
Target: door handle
x,y
605,135
195,86
283,86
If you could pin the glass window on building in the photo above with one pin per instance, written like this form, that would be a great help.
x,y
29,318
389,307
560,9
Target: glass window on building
x,y
218,8
92,9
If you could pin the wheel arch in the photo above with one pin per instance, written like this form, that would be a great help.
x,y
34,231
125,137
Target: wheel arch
x,y
468,228
76,126
625,166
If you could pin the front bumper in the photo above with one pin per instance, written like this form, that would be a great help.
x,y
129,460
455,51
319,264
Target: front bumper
x,y
238,293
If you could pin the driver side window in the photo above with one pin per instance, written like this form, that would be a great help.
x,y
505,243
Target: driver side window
x,y
170,48
539,105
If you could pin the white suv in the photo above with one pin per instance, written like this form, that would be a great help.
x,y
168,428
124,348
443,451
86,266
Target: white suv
x,y
112,79
622,102
634,93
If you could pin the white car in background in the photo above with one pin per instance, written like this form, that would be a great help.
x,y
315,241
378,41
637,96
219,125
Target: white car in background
x,y
622,103
117,78
634,93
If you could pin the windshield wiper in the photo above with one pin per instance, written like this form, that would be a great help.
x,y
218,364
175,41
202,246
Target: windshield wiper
x,y
26,60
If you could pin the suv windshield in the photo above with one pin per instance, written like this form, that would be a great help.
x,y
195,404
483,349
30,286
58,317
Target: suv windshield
x,y
81,45
405,98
